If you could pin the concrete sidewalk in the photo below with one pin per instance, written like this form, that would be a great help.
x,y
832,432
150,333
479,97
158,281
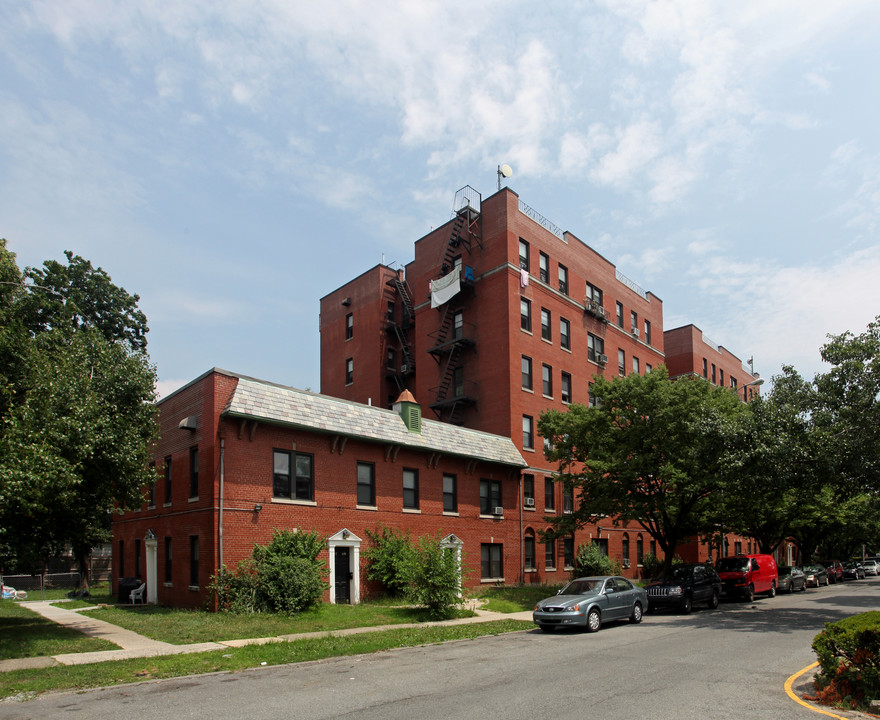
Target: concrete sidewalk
x,y
133,645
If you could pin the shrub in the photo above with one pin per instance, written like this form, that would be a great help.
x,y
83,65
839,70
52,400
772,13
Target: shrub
x,y
284,576
591,560
435,578
391,559
652,566
849,656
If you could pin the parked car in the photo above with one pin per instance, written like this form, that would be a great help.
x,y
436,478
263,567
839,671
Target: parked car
x,y
853,570
687,586
835,570
590,601
816,575
872,567
748,575
791,578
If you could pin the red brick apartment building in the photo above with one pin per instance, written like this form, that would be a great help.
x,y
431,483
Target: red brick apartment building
x,y
500,316
240,457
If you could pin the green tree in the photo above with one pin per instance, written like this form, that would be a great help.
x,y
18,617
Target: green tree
x,y
76,399
652,452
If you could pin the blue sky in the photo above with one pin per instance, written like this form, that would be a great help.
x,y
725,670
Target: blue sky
x,y
232,162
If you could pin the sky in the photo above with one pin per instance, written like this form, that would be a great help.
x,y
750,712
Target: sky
x,y
233,162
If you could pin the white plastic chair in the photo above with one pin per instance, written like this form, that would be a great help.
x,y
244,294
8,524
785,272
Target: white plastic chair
x,y
138,594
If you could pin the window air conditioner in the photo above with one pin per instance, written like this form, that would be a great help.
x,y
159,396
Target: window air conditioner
x,y
499,510
635,332
404,368
603,359
529,502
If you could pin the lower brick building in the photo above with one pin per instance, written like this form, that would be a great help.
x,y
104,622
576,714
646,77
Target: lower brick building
x,y
239,458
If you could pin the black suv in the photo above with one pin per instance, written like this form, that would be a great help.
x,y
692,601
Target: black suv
x,y
689,585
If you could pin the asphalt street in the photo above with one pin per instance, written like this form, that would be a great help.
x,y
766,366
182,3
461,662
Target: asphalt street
x,y
731,663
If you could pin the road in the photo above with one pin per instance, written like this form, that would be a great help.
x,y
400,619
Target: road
x,y
731,663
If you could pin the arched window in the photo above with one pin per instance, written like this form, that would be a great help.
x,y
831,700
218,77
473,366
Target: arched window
x,y
625,549
529,549
640,549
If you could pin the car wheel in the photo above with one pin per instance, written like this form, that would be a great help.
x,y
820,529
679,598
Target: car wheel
x,y
713,602
772,592
827,582
546,628
636,616
686,605
750,594
594,620
804,588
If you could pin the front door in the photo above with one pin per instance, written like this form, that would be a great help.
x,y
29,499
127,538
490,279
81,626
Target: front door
x,y
342,581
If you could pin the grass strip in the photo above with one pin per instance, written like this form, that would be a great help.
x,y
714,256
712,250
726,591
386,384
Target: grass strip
x,y
182,627
516,598
25,684
25,634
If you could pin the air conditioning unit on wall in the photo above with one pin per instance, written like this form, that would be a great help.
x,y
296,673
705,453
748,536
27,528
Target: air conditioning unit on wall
x,y
529,502
499,510
635,332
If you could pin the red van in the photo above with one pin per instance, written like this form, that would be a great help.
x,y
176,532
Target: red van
x,y
748,575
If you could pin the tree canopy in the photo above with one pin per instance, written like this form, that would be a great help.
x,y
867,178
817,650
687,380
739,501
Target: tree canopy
x,y
76,416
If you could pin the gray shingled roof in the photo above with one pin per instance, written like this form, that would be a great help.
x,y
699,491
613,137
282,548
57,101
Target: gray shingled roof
x,y
297,408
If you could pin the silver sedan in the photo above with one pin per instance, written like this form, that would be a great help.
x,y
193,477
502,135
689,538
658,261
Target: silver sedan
x,y
590,601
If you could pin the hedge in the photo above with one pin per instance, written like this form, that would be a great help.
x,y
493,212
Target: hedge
x,y
848,652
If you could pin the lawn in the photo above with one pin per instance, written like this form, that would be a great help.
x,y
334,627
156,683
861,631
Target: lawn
x,y
515,598
24,633
183,627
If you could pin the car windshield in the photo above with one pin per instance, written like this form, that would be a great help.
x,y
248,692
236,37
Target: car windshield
x,y
681,574
581,587
733,565
813,568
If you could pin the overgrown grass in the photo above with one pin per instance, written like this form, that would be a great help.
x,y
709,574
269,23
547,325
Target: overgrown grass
x,y
515,598
182,627
100,592
24,634
26,683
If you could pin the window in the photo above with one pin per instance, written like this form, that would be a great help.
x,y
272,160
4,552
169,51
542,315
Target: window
x,y
647,368
634,322
705,369
733,382
349,371
349,326
549,494
529,490
292,476
547,380
151,497
410,489
565,391
594,294
194,560
737,547
525,314
563,279
713,373
544,267
528,432
654,548
529,552
491,566
137,557
120,559
625,549
391,359
568,551
592,400
458,382
168,559
619,314
366,484
621,362
564,334
550,554
546,332
648,332
490,496
168,480
602,544
193,472
567,500
523,254
526,373
450,493
721,377
635,365
391,311
595,348
458,325
640,550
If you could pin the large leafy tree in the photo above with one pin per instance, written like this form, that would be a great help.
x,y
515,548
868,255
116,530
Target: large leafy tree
x,y
651,451
77,419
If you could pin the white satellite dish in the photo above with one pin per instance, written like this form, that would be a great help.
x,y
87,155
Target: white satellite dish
x,y
504,171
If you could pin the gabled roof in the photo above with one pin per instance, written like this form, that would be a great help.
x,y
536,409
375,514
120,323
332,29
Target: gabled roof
x,y
267,402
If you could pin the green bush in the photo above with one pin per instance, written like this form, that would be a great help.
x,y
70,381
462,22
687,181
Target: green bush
x,y
848,652
390,559
652,566
284,576
435,578
591,560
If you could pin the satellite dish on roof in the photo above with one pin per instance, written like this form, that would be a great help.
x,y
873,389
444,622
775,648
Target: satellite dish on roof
x,y
504,171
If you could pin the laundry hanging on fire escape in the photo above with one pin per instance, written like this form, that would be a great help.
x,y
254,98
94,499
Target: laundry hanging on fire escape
x,y
446,288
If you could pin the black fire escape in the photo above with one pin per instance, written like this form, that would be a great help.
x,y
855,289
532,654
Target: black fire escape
x,y
454,339
398,293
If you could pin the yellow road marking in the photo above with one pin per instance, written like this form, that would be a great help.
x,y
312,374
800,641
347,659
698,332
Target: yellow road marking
x,y
791,694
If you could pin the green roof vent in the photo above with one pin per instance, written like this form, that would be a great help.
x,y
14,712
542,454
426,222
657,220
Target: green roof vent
x,y
411,412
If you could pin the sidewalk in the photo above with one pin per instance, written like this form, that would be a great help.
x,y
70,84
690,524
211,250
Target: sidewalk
x,y
133,645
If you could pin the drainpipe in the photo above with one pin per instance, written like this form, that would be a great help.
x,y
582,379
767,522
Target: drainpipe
x,y
522,540
220,523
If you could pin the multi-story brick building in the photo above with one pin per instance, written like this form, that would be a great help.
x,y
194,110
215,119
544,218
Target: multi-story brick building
x,y
239,458
500,316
